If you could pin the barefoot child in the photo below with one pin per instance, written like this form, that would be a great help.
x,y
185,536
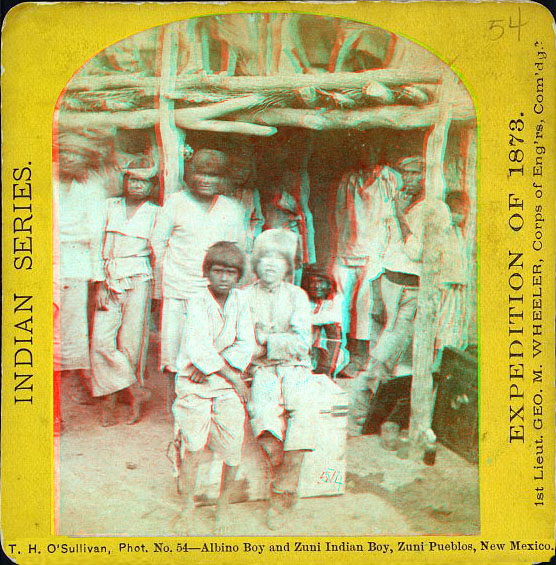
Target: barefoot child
x,y
326,306
120,336
217,347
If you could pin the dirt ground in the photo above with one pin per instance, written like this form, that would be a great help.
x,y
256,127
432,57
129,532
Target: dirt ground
x,y
118,481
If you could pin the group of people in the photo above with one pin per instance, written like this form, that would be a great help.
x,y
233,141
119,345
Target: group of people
x,y
382,216
238,340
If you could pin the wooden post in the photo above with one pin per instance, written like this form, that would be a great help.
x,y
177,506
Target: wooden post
x,y
469,143
170,138
428,297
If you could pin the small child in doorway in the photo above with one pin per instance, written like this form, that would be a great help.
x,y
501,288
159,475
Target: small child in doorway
x,y
209,409
326,307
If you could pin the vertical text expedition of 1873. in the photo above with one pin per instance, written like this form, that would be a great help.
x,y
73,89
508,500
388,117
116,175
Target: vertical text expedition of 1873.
x,y
527,258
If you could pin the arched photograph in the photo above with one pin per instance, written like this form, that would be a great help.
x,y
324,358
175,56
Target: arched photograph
x,y
265,284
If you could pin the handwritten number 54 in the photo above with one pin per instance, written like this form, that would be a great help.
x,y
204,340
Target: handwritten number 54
x,y
497,28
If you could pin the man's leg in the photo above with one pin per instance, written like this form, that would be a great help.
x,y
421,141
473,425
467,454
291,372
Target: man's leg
x,y
363,303
139,396
74,338
273,448
401,304
298,397
78,389
290,469
266,407
171,334
108,408
111,370
133,342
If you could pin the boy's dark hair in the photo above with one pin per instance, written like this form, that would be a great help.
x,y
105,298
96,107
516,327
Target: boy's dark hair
x,y
154,180
225,254
321,273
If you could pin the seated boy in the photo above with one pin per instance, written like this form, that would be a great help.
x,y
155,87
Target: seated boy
x,y
326,306
281,406
217,347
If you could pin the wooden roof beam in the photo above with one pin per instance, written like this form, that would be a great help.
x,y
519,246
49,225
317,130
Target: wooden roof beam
x,y
390,77
265,122
395,117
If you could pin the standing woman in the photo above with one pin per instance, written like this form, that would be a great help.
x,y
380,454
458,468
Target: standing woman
x,y
120,332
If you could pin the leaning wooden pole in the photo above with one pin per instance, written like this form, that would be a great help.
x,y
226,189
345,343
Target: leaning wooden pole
x,y
470,184
428,297
140,119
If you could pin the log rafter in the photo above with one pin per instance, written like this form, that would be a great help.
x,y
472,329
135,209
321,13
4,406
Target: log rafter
x,y
389,77
264,122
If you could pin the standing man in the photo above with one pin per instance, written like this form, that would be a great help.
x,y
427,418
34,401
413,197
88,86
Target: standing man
x,y
400,282
80,214
190,221
363,201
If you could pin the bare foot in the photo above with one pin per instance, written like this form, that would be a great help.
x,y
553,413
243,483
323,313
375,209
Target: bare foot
x,y
184,521
277,511
223,523
108,419
274,518
140,397
108,411
292,501
79,393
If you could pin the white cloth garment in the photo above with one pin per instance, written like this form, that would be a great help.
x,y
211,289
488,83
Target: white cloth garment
x,y
183,234
253,218
363,202
172,325
354,284
120,336
406,256
327,312
74,329
453,311
363,208
282,392
80,228
79,221
126,249
211,412
120,340
216,336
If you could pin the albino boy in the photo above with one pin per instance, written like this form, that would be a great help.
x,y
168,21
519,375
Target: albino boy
x,y
281,406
